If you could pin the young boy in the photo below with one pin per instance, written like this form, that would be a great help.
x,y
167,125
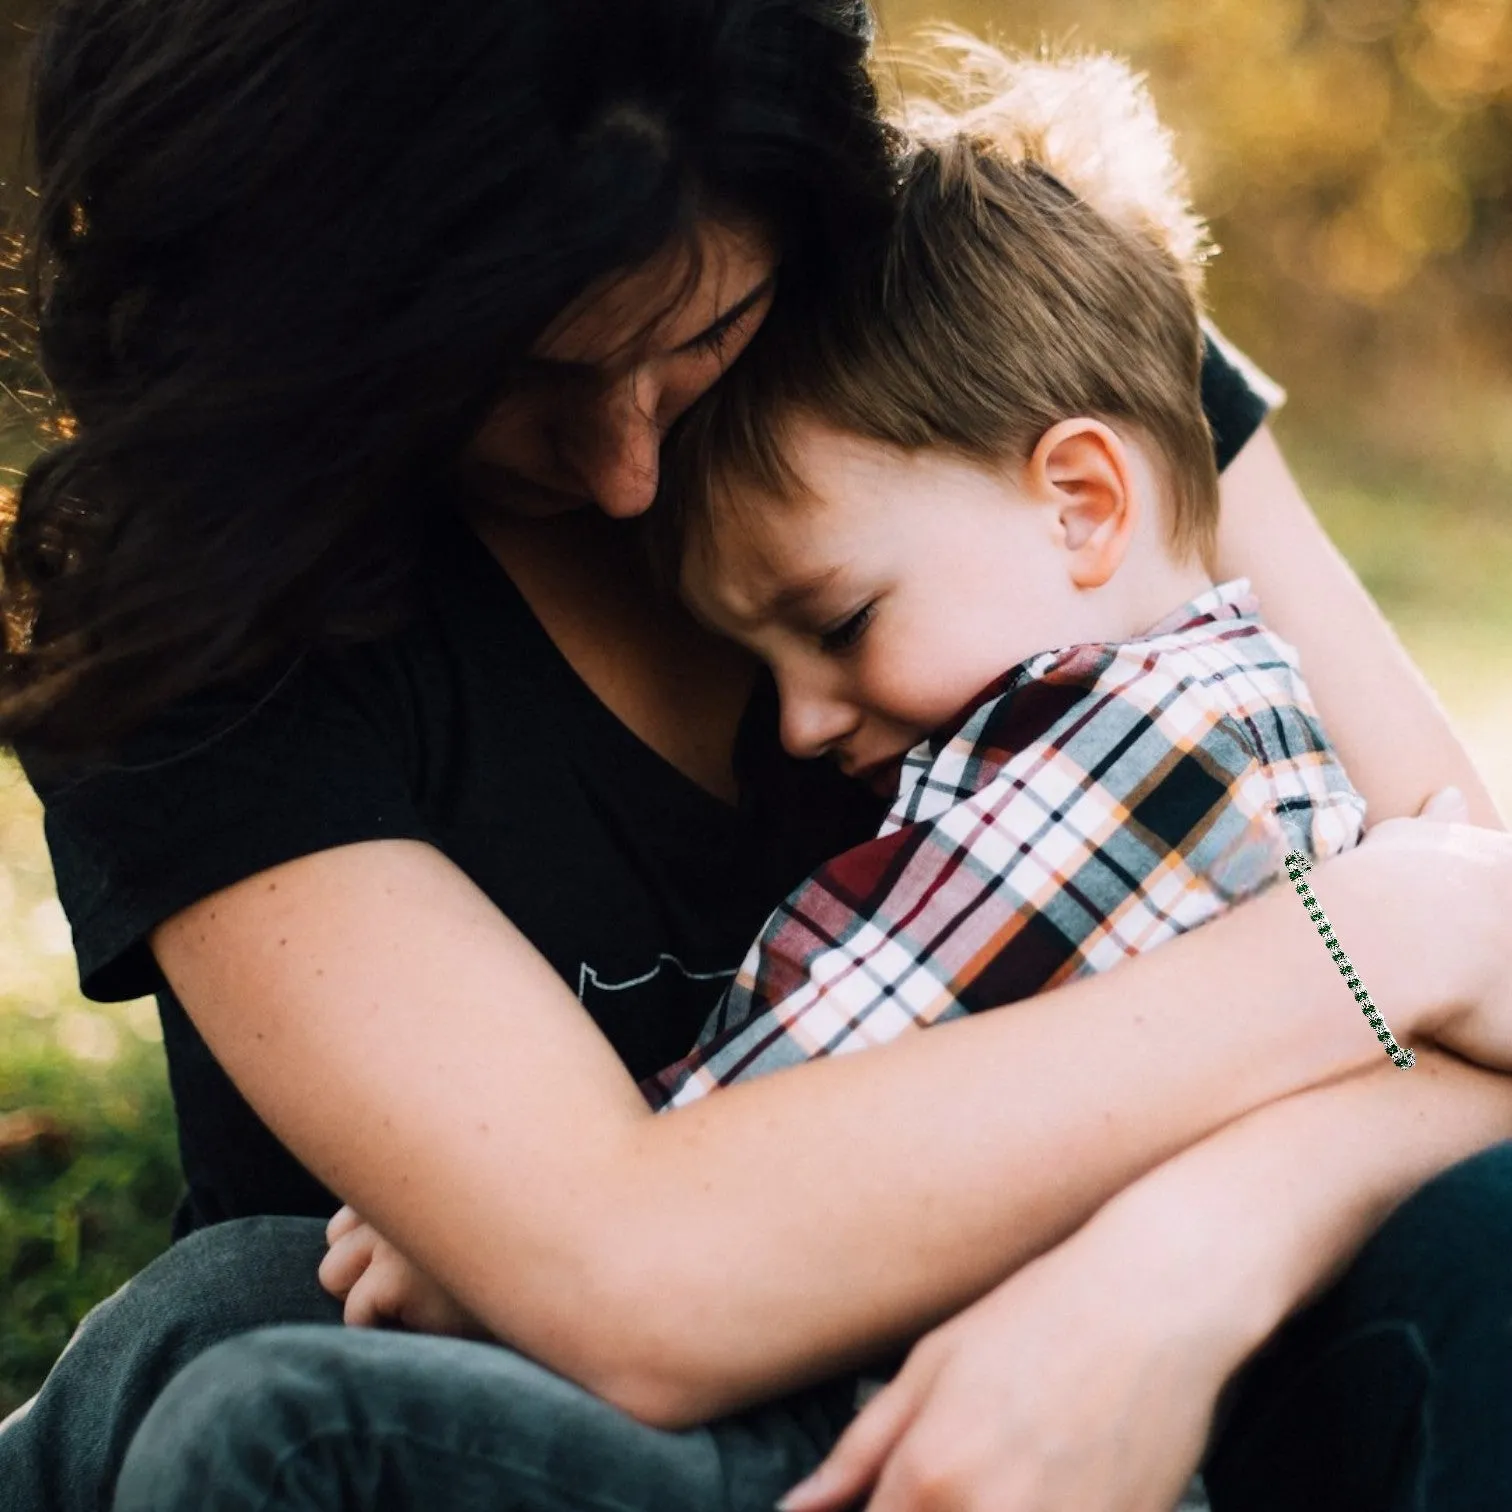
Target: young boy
x,y
995,446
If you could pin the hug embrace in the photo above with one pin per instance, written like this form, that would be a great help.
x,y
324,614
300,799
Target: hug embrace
x,y
590,566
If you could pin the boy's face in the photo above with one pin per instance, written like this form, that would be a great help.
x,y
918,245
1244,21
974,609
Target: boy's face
x,y
890,599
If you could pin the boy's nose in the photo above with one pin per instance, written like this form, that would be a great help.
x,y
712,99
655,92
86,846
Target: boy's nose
x,y
814,723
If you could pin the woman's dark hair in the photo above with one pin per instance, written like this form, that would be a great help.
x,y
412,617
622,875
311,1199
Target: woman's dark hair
x,y
287,254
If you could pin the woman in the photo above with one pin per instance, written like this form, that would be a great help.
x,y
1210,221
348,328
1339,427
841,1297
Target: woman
x,y
429,822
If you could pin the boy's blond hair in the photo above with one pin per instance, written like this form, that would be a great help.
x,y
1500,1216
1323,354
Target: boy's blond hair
x,y
1042,263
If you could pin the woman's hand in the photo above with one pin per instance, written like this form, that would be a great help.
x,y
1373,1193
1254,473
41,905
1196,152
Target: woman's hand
x,y
1476,1021
380,1286
1086,1382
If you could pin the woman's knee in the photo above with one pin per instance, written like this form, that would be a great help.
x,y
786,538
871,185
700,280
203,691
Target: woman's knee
x,y
1473,1197
220,1281
1438,1263
229,1420
64,1452
303,1417
296,1418
1343,1427
1401,1369
242,1261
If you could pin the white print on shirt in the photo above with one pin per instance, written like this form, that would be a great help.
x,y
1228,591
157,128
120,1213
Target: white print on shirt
x,y
589,979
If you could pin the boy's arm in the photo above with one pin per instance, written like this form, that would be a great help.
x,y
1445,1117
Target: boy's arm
x,y
1381,715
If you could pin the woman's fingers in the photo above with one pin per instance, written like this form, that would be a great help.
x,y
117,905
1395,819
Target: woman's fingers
x,y
347,1260
937,1453
926,1476
853,1465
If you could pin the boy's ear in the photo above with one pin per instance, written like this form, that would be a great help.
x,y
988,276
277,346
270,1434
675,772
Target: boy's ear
x,y
1082,466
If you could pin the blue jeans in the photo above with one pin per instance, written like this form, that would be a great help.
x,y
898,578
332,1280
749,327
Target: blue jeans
x,y
63,1451
1391,1393
224,1367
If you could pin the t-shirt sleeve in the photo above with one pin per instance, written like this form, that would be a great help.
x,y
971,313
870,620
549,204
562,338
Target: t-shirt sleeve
x,y
1236,395
220,787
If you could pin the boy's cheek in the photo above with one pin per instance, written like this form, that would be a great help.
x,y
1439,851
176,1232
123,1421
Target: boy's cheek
x,y
923,686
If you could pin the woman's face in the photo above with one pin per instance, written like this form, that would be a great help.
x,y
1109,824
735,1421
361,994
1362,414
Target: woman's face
x,y
586,426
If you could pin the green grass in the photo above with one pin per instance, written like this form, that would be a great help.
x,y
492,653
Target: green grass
x,y
83,1208
85,1203
1436,552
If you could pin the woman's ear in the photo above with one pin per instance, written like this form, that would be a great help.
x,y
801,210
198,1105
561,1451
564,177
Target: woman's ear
x,y
1082,467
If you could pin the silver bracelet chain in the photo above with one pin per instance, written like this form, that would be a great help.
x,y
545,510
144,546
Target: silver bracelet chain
x,y
1296,866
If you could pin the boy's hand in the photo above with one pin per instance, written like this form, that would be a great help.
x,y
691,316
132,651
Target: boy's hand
x,y
379,1286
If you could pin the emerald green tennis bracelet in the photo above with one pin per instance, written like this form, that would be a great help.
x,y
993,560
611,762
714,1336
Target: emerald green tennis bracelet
x,y
1296,866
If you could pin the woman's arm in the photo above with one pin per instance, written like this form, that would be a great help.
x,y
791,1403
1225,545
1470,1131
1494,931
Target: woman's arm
x,y
1262,1217
1280,1201
1171,1287
1381,715
412,1048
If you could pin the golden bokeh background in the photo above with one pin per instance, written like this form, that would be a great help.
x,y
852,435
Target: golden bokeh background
x,y
1355,158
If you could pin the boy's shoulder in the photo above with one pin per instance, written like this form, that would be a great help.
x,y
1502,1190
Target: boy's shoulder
x,y
1214,651
1209,675
1190,657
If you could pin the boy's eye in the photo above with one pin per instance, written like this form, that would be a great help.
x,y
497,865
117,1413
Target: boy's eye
x,y
845,635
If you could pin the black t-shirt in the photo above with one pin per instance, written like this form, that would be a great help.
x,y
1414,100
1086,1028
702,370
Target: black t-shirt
x,y
469,730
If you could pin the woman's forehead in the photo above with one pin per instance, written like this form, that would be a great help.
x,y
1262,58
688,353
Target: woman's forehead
x,y
664,304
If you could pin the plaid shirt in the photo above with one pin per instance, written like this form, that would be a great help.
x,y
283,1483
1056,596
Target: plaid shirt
x,y
1095,800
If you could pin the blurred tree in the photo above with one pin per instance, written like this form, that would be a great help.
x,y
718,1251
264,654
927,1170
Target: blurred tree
x,y
1355,159
17,374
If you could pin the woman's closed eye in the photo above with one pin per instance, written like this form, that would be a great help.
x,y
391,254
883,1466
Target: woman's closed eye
x,y
721,334
736,322
848,632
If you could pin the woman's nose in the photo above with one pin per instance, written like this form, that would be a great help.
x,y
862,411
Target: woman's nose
x,y
813,721
620,459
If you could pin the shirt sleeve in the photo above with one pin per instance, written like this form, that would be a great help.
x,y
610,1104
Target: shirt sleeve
x,y
1237,396
220,787
1063,864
